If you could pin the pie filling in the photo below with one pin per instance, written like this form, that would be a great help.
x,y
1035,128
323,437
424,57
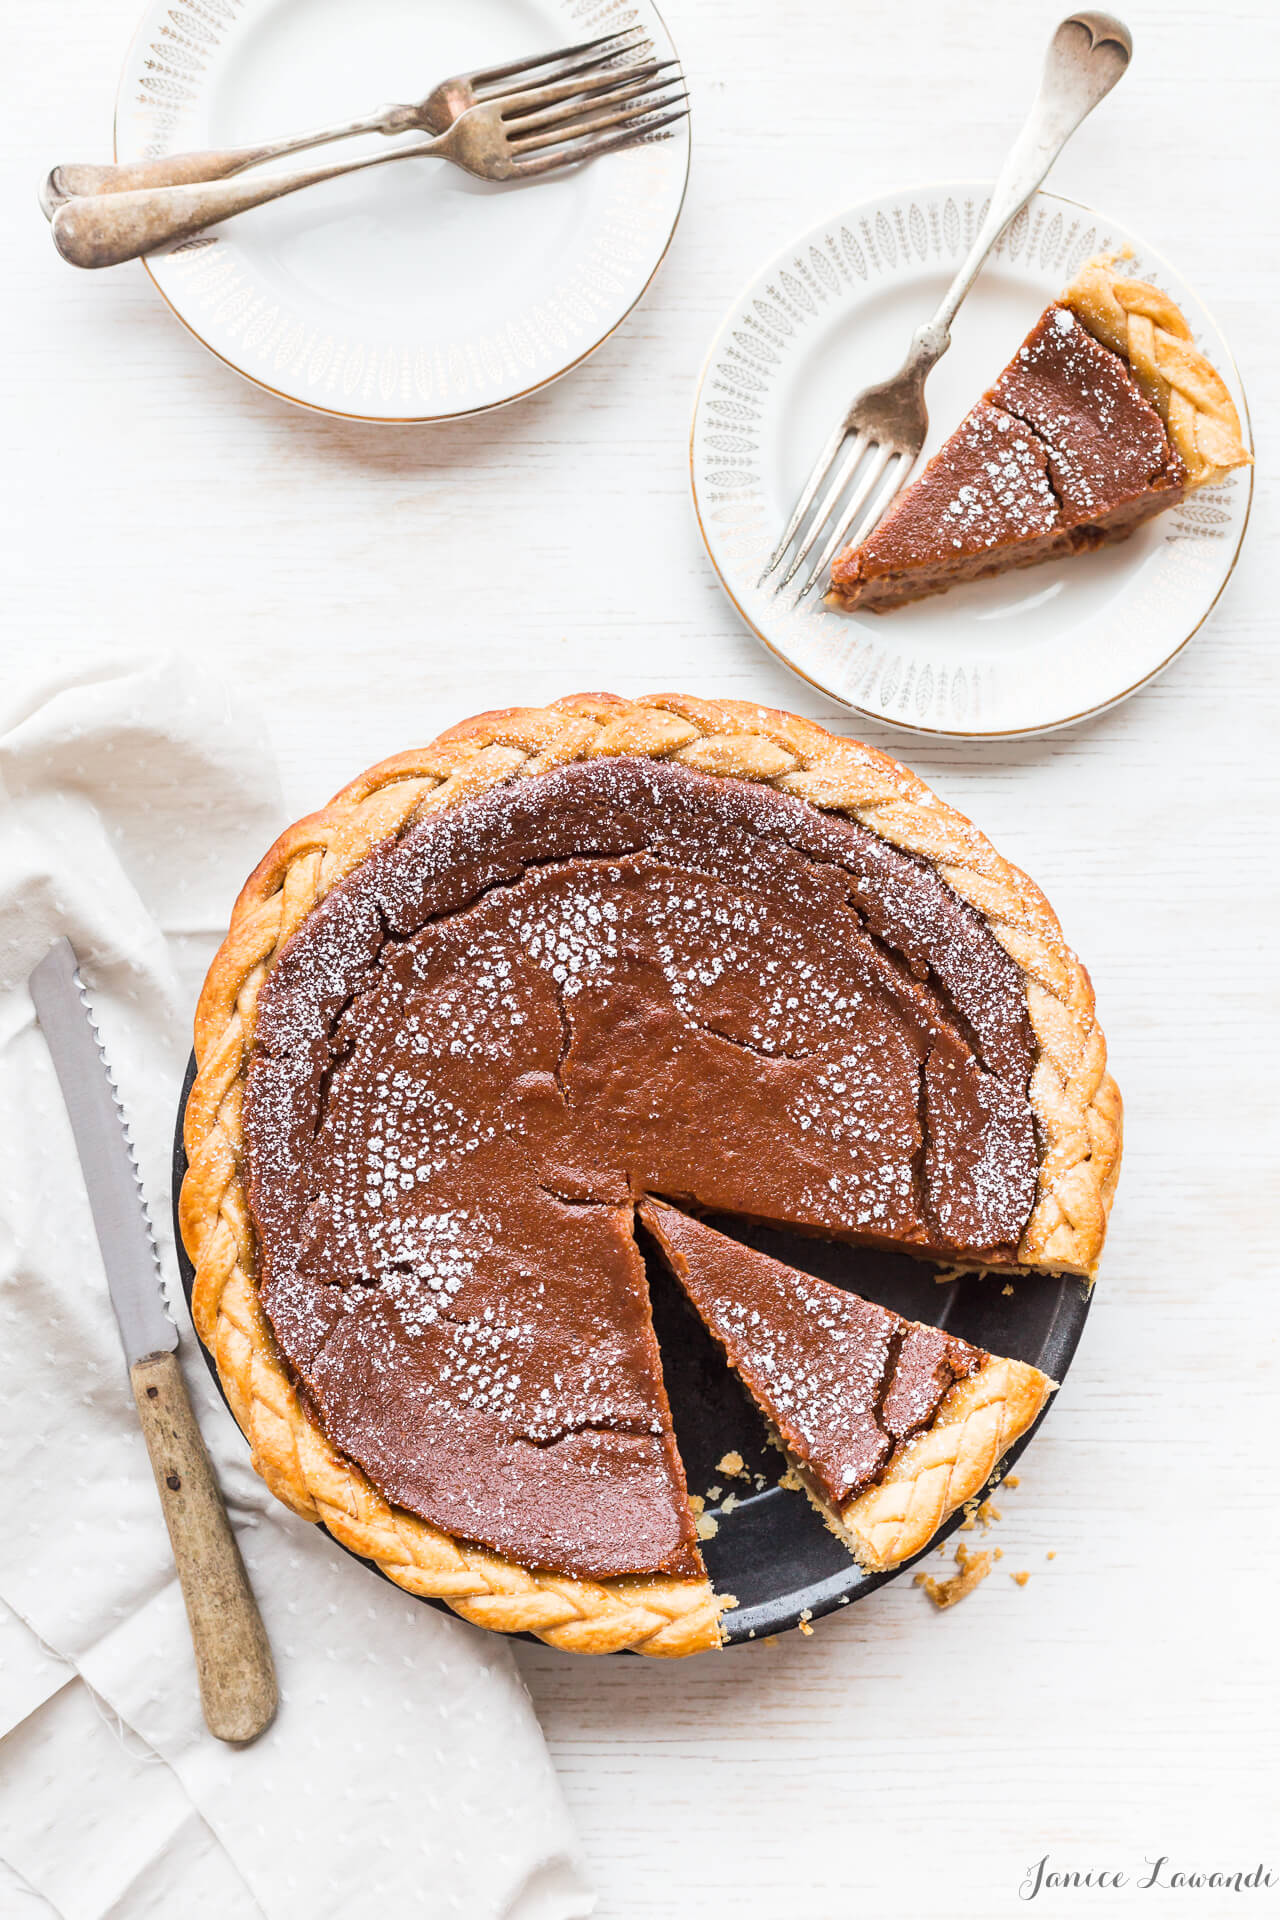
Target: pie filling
x,y
504,1029
1063,453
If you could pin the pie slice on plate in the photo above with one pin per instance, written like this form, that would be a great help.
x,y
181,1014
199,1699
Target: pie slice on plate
x,y
892,1426
504,987
1106,415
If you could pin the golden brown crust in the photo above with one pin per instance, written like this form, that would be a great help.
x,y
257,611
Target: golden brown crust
x,y
939,1470
1076,1104
1143,324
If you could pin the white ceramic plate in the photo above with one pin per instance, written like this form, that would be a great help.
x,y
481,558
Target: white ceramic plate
x,y
1019,654
411,292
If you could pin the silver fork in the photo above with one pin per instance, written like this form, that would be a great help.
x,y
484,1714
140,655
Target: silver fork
x,y
436,114
881,435
519,137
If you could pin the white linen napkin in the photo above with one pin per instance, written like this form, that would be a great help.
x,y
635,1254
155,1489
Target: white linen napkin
x,y
406,1772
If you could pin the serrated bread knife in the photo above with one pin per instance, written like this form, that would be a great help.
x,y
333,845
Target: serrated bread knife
x,y
233,1660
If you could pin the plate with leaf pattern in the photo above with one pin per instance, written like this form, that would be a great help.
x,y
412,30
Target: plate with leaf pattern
x,y
1025,652
411,292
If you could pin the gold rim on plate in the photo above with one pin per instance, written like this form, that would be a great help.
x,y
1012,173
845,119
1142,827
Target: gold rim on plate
x,y
411,419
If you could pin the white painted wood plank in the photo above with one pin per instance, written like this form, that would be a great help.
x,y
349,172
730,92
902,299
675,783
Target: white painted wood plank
x,y
369,586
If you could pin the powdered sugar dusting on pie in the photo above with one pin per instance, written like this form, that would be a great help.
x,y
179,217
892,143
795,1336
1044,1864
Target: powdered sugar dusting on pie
x,y
1063,453
618,978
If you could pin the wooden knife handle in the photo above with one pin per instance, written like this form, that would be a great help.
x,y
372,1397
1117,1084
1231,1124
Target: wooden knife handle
x,y
233,1659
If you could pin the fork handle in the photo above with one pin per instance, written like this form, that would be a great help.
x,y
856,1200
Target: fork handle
x,y
215,163
1087,55
105,229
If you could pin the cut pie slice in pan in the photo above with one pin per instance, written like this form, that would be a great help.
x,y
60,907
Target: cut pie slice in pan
x,y
892,1426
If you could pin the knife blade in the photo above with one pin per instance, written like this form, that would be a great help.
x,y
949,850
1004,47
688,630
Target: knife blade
x,y
105,1150
233,1658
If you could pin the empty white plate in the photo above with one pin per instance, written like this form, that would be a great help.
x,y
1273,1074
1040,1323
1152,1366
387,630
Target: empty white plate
x,y
1022,653
410,292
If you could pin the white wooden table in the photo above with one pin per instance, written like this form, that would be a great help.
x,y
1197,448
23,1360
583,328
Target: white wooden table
x,y
372,585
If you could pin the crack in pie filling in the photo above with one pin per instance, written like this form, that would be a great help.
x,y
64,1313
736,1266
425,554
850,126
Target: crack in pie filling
x,y
564,963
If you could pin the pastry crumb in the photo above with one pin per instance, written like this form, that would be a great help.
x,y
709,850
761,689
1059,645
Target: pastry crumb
x,y
732,1465
770,1640
975,1510
729,1502
1051,1555
713,1493
706,1527
791,1481
1012,1480
804,1622
1019,1579
998,1552
972,1570
696,1504
1007,1287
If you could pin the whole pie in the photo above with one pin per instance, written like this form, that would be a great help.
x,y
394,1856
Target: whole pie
x,y
570,961
1107,414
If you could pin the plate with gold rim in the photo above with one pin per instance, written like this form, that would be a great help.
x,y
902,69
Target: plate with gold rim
x,y
408,293
1023,653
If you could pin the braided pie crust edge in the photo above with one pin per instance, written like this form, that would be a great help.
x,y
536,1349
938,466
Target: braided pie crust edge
x,y
1075,1101
1149,330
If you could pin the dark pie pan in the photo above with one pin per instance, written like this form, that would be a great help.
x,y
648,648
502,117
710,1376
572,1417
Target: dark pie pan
x,y
771,1548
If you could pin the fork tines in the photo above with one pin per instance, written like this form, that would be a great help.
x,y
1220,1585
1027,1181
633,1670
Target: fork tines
x,y
574,116
840,514
610,46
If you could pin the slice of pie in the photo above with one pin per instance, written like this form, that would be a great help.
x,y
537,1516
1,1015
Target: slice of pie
x,y
504,987
892,1426
1106,415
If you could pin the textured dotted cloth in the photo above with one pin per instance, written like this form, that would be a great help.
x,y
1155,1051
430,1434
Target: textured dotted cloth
x,y
406,1771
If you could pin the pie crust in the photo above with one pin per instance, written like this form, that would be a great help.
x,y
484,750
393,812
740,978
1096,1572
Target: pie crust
x,y
946,1467
1148,329
1075,1103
